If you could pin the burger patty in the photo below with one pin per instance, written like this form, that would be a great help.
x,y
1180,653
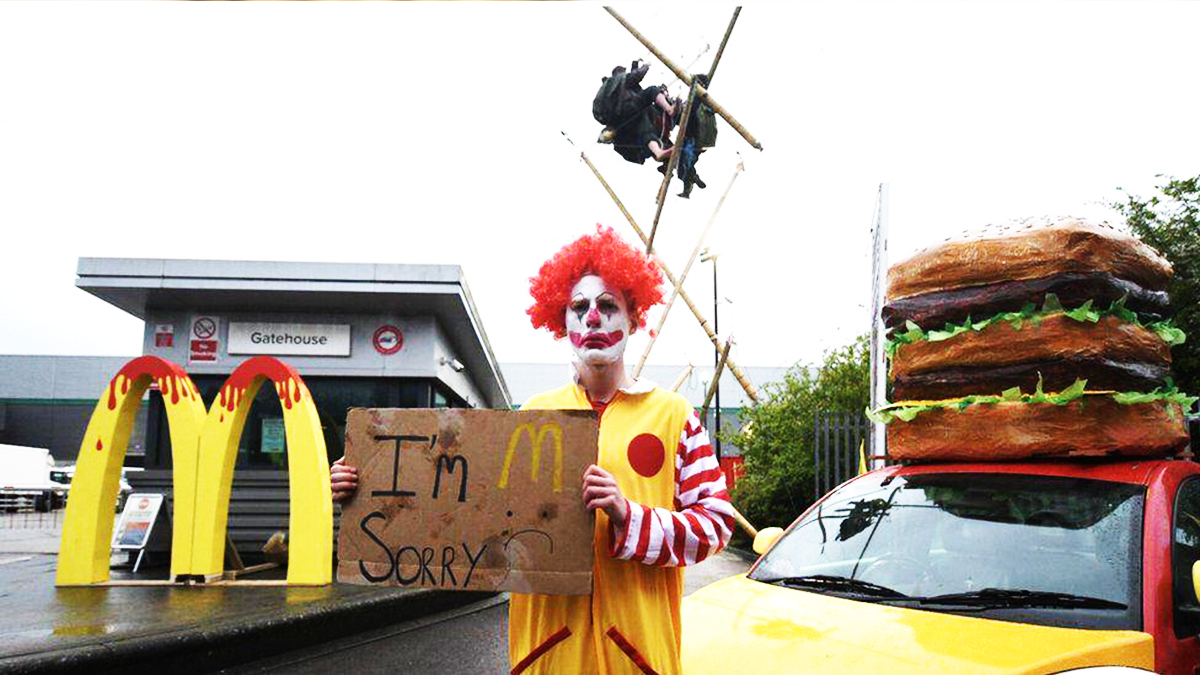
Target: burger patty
x,y
1057,374
1052,337
935,310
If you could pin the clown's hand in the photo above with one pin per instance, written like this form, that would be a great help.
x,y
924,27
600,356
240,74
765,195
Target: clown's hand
x,y
600,491
343,480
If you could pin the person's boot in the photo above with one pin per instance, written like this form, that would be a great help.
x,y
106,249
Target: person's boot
x,y
696,179
662,168
687,191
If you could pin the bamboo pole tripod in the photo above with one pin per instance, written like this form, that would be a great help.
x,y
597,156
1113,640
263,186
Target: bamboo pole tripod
x,y
696,91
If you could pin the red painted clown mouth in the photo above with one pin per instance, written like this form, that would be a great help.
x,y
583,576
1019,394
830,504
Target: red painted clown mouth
x,y
597,340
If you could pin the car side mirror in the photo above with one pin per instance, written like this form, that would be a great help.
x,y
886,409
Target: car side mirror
x,y
1195,578
767,537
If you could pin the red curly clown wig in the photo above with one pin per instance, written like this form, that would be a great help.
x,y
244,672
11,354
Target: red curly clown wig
x,y
607,256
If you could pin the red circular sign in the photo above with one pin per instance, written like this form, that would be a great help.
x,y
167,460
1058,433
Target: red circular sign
x,y
387,339
646,454
143,503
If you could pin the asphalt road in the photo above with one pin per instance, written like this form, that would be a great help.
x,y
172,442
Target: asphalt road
x,y
470,639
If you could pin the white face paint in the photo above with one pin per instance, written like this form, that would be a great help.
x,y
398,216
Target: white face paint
x,y
597,321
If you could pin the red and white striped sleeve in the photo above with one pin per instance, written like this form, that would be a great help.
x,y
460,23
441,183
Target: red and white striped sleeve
x,y
702,520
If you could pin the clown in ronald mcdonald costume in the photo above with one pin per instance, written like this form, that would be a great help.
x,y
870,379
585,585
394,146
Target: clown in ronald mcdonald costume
x,y
657,490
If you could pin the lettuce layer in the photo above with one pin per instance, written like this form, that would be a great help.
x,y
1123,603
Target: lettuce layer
x,y
1030,313
906,411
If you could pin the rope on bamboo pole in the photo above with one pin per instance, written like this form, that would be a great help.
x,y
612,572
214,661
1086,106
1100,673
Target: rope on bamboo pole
x,y
683,376
671,164
683,277
687,79
712,336
716,381
712,70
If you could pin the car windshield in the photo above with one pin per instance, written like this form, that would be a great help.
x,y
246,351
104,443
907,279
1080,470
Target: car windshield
x,y
1039,549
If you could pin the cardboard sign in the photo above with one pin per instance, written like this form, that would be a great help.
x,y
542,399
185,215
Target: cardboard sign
x,y
469,500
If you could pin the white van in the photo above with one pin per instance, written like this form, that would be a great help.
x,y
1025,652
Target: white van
x,y
25,480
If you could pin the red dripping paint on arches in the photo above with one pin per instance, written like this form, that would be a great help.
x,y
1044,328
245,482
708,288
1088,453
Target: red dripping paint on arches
x,y
142,367
281,388
267,367
169,385
646,454
230,402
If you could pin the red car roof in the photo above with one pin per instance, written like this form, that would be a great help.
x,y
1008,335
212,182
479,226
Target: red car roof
x,y
1138,471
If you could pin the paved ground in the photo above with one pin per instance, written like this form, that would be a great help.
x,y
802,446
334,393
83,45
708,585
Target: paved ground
x,y
61,627
470,639
723,564
30,533
178,628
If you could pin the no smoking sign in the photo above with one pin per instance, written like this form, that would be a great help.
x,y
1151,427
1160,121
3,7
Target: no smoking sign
x,y
203,345
204,327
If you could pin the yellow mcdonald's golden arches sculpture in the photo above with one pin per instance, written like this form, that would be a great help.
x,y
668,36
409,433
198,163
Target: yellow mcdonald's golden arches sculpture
x,y
87,527
204,450
310,521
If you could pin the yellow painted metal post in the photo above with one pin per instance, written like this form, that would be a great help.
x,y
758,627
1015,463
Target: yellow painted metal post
x,y
87,526
310,524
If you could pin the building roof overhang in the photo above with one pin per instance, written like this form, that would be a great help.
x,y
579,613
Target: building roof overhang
x,y
137,285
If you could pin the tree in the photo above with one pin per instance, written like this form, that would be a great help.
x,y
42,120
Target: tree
x,y
1170,222
776,435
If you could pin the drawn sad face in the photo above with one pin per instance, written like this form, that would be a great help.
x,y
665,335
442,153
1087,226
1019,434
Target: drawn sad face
x,y
597,321
511,552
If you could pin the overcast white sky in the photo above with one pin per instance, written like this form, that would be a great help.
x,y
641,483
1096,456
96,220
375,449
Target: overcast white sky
x,y
430,133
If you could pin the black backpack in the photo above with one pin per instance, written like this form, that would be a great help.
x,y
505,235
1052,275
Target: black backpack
x,y
607,100
705,120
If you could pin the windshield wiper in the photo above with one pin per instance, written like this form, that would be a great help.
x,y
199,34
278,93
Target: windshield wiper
x,y
837,585
1003,597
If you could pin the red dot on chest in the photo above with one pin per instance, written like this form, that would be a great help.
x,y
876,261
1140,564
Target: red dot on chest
x,y
646,454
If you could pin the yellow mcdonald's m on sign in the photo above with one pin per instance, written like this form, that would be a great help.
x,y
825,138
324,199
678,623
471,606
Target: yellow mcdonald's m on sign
x,y
551,430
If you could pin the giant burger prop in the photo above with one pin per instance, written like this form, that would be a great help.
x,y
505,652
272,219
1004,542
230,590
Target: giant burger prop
x,y
1043,337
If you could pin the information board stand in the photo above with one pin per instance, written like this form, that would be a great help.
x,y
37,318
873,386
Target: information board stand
x,y
136,524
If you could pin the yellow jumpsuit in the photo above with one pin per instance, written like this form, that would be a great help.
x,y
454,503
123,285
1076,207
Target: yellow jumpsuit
x,y
631,621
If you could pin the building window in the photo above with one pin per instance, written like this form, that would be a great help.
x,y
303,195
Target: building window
x,y
444,397
262,445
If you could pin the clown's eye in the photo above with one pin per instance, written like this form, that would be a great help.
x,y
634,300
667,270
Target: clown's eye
x,y
579,306
607,306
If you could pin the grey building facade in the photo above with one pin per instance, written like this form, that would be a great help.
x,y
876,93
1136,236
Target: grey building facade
x,y
361,335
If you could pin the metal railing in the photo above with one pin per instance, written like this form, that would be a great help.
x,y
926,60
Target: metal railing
x,y
837,436
32,520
